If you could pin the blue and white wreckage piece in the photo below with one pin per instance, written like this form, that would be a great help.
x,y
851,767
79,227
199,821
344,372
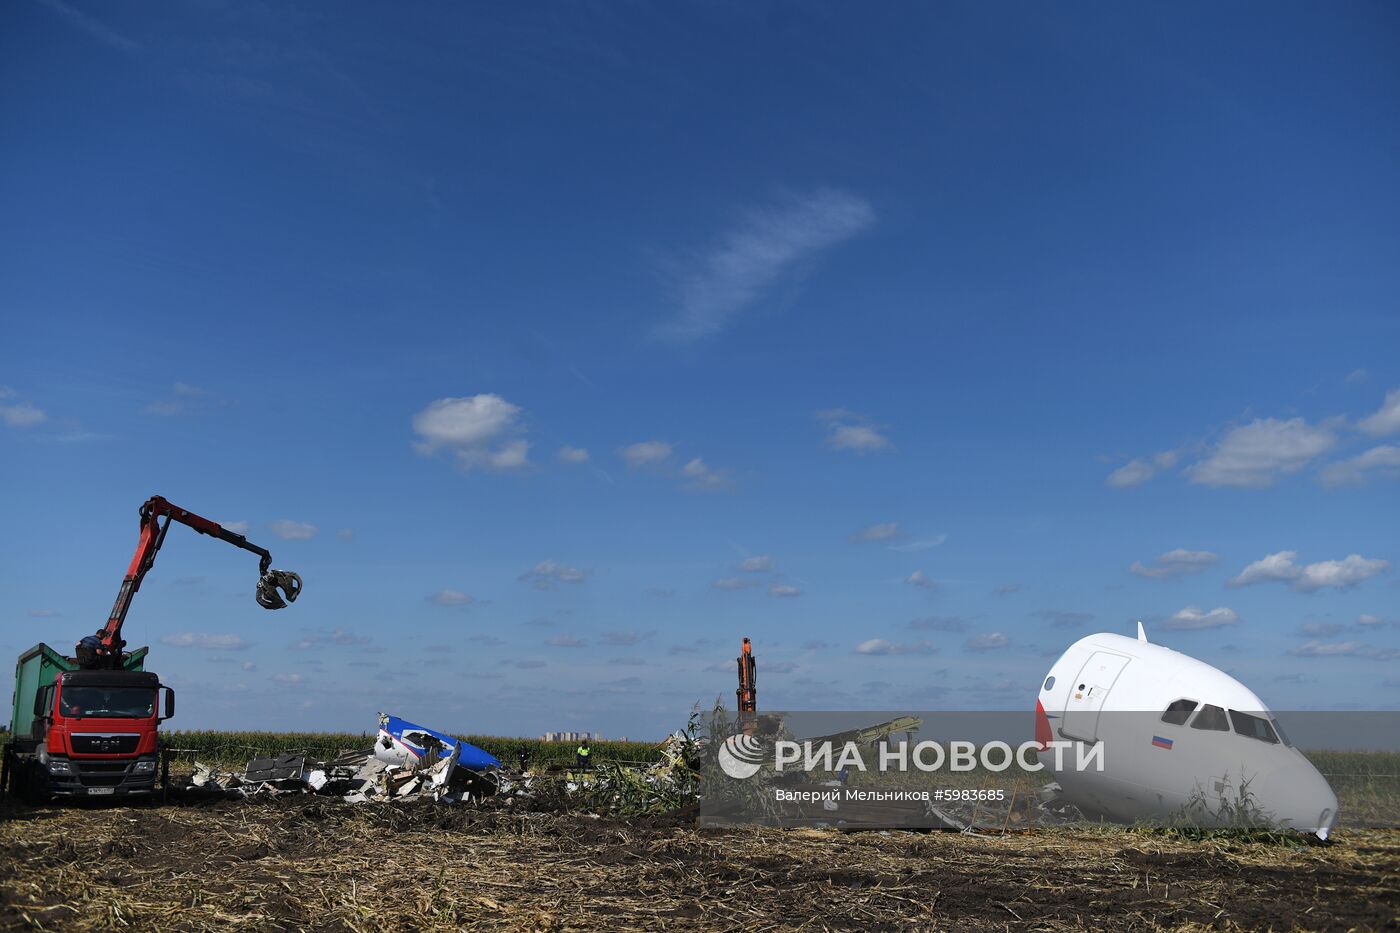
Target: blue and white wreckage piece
x,y
416,747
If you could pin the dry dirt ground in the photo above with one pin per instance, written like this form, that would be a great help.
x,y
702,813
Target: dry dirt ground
x,y
304,863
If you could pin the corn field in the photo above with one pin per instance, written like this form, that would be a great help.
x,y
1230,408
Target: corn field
x,y
218,747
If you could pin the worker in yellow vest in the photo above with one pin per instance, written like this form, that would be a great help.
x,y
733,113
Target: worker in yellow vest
x,y
582,754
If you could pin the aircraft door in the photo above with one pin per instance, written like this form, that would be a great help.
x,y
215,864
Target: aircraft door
x,y
1088,693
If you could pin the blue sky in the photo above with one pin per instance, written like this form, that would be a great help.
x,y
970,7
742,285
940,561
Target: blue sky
x,y
559,348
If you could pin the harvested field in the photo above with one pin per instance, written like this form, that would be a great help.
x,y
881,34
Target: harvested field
x,y
303,862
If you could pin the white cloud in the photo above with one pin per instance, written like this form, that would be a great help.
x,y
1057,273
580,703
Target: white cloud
x,y
718,284
847,430
572,454
990,641
1132,473
18,414
881,531
1174,563
92,26
646,453
238,528
345,534
480,431
923,544
337,636
626,638
784,590
547,573
920,579
939,624
761,563
701,476
1256,453
184,388
288,680
1357,376
1194,618
451,598
1321,629
733,583
288,530
880,646
164,408
861,438
566,641
1350,649
1387,419
1369,619
1383,460
1283,567
206,640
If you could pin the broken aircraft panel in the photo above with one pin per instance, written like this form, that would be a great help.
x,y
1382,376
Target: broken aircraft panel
x,y
412,746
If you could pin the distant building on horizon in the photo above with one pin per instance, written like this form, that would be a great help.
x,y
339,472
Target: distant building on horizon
x,y
572,737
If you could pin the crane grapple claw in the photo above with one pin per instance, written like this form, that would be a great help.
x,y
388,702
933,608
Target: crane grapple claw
x,y
274,580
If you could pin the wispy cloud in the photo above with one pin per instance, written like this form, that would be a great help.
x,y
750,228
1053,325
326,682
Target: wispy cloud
x,y
1344,649
572,454
1138,471
768,243
734,583
1194,618
566,641
920,579
208,641
92,26
761,563
1387,419
989,641
1255,454
784,590
646,453
939,624
1283,567
17,413
1062,619
343,638
700,475
288,530
547,573
847,430
880,531
451,598
1378,461
482,432
1174,563
878,646
923,544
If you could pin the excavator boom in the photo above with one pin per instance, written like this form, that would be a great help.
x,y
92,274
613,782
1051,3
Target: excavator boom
x,y
275,589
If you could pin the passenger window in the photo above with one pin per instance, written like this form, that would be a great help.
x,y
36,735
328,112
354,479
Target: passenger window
x,y
1178,711
1212,719
1050,682
1256,727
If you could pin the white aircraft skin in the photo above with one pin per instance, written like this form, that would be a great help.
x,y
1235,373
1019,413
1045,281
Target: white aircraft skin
x,y
1162,770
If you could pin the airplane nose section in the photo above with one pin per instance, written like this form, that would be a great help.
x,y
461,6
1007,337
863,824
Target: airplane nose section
x,y
1298,797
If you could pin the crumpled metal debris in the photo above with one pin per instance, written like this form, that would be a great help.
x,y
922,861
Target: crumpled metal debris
x,y
407,762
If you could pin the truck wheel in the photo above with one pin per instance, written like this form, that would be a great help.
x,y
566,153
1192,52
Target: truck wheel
x,y
35,785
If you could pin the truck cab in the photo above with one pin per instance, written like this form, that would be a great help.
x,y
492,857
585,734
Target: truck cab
x,y
89,733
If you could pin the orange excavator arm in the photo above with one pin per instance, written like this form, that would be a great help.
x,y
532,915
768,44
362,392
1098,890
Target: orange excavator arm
x,y
275,588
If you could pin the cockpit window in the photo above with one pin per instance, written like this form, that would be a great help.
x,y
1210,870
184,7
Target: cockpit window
x,y
1256,727
1212,719
1178,711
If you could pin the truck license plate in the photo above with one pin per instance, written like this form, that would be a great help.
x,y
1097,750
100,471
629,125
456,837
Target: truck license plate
x,y
100,790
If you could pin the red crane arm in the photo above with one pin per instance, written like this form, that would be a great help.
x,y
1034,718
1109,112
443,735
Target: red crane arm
x,y
153,536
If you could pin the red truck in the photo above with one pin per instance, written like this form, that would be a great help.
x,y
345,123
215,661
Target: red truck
x,y
87,726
